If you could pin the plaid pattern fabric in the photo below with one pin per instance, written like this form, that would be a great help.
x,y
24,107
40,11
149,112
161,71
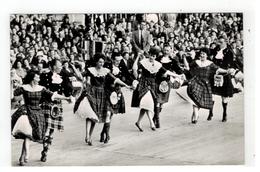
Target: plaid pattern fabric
x,y
98,101
118,108
145,85
199,87
37,120
147,82
163,97
200,92
53,123
227,89
33,110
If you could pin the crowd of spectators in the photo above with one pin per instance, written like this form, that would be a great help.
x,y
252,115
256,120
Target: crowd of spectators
x,y
37,39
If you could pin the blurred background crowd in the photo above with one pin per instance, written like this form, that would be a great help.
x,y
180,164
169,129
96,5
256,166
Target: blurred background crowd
x,y
36,39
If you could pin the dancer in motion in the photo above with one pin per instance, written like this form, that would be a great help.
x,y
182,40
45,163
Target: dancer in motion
x,y
119,70
146,93
224,58
28,122
199,89
93,104
164,84
53,110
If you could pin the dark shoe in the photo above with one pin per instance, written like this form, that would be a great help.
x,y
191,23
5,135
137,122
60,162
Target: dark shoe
x,y
44,154
153,128
107,139
194,121
157,124
224,119
21,162
89,142
137,125
44,157
209,117
102,137
49,141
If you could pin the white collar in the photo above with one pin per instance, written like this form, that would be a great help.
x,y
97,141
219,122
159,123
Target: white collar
x,y
220,54
115,70
204,64
152,68
103,72
29,88
165,59
56,78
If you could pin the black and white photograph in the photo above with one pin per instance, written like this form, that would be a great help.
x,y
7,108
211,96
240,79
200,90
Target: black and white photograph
x,y
150,86
127,89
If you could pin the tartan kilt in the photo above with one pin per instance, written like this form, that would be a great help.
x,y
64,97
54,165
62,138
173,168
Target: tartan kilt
x,y
97,99
227,90
36,120
163,97
200,92
51,122
118,108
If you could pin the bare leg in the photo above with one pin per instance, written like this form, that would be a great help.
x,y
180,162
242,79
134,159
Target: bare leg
x,y
140,117
21,159
195,115
88,131
26,149
91,129
149,115
88,125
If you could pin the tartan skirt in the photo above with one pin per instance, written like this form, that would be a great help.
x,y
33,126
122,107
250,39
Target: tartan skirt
x,y
98,101
36,120
200,92
143,87
227,90
53,122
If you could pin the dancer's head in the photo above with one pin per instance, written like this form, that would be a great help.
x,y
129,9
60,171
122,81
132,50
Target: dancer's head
x,y
153,53
204,53
99,60
32,77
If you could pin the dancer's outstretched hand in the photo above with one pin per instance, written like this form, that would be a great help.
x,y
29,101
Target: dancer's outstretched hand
x,y
71,99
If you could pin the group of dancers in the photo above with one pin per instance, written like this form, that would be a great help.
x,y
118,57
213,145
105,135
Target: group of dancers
x,y
152,78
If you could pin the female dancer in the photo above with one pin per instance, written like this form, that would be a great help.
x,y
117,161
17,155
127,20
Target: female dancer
x,y
28,122
146,93
93,104
199,89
